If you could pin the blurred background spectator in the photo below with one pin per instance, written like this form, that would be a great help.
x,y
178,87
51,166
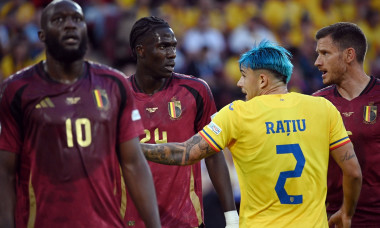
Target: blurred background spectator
x,y
211,36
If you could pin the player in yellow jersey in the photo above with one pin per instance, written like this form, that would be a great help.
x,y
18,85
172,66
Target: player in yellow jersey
x,y
280,143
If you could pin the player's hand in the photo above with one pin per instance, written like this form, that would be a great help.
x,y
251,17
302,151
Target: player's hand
x,y
339,220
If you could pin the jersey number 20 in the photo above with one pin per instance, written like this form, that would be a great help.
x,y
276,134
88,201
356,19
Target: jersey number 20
x,y
295,149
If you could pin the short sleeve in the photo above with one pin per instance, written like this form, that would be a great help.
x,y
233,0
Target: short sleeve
x,y
223,128
10,109
209,108
130,124
338,133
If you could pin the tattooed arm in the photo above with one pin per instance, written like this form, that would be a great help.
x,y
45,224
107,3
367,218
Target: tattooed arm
x,y
187,153
352,182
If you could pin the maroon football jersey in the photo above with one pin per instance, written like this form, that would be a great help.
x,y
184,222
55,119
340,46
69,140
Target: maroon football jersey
x,y
66,137
360,117
175,113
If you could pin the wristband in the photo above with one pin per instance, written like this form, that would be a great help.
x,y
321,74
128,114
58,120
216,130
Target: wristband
x,y
232,219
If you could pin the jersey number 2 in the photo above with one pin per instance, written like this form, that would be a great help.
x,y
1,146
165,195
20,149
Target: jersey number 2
x,y
295,149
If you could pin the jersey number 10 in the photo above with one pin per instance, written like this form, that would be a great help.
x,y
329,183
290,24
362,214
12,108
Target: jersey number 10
x,y
82,129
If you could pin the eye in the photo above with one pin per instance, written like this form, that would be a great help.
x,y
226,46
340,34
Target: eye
x,y
77,19
58,20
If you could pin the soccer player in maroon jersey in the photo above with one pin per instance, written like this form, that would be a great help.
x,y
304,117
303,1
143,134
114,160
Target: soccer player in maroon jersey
x,y
68,126
173,108
341,49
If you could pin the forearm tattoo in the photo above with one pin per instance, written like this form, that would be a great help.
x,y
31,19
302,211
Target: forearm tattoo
x,y
189,152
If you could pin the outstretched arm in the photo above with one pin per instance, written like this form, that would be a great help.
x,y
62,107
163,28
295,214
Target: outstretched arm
x,y
139,182
220,178
8,188
187,153
345,157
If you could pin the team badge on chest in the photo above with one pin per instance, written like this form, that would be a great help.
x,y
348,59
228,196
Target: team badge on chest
x,y
174,109
370,113
101,98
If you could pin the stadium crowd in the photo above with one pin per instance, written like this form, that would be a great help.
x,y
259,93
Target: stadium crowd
x,y
211,34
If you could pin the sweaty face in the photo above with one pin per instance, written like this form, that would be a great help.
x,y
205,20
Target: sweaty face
x,y
159,52
65,32
329,61
249,83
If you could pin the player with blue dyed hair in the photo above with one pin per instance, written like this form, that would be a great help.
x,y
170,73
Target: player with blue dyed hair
x,y
268,55
280,143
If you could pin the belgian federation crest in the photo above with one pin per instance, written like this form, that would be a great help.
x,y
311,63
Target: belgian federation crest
x,y
101,98
174,109
370,114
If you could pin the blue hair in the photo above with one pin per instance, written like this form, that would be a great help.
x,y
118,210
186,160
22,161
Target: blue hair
x,y
270,56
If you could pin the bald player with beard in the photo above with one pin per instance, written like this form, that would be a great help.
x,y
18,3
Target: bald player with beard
x,y
67,126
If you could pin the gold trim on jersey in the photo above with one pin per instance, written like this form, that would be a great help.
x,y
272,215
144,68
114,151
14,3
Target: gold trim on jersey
x,y
123,205
195,199
32,204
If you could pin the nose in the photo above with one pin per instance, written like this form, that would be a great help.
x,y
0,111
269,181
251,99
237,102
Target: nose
x,y
240,83
318,61
172,52
69,22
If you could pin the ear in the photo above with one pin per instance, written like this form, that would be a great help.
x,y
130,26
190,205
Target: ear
x,y
263,80
41,36
349,54
139,51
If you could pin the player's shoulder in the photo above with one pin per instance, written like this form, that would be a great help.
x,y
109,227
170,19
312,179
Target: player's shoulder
x,y
105,70
308,98
190,80
375,83
326,91
235,105
20,78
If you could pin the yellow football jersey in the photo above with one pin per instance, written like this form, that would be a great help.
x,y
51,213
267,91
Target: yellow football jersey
x,y
280,145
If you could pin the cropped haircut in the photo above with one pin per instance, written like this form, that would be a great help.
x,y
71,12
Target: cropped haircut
x,y
43,19
269,56
142,27
346,35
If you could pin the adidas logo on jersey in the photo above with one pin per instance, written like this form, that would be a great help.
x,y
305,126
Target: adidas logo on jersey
x,y
45,103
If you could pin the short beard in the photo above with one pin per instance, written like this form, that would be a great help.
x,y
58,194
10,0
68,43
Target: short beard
x,y
59,53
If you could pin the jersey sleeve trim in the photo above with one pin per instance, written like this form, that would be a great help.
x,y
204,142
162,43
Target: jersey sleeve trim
x,y
339,143
210,140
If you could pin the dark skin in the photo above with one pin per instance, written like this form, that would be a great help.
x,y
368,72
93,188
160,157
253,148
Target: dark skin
x,y
156,53
8,164
57,23
59,19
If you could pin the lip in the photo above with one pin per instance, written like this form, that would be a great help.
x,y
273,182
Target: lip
x,y
70,39
169,68
324,72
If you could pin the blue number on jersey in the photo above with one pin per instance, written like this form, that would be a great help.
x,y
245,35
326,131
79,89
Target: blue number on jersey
x,y
295,149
